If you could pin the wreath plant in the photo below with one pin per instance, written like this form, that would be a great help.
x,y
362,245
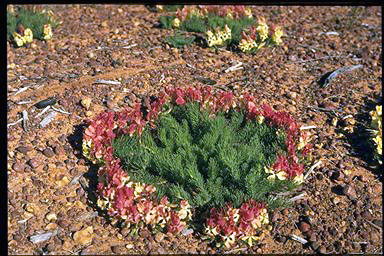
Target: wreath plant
x,y
190,156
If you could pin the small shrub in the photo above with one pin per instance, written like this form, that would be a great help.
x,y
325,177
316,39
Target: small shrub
x,y
190,157
235,23
22,20
377,119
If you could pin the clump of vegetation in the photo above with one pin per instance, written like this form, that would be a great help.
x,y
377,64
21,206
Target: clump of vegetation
x,y
225,26
178,40
377,131
190,156
24,24
207,161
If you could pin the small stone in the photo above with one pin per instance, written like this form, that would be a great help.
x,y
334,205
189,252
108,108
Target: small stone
x,y
41,237
314,245
91,55
83,236
125,231
63,223
18,167
51,217
86,102
32,208
336,200
159,237
51,226
311,236
322,250
88,113
48,152
280,238
118,249
104,24
34,163
333,232
63,138
23,149
63,181
336,175
349,191
129,246
59,150
304,227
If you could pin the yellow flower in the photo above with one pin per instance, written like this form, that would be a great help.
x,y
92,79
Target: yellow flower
x,y
378,141
260,45
229,240
176,23
243,45
278,33
211,231
102,203
260,119
19,40
299,179
211,38
138,188
248,12
225,34
47,31
28,36
87,145
262,28
280,175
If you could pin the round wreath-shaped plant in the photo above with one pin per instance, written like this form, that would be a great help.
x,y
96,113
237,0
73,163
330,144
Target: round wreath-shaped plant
x,y
191,157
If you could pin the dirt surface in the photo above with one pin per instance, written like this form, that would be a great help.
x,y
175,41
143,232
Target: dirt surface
x,y
50,185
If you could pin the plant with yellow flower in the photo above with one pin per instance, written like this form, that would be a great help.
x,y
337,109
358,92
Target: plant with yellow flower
x,y
23,25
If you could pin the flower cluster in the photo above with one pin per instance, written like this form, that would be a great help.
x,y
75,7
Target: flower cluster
x,y
247,223
22,36
127,200
258,35
377,125
231,11
135,202
218,37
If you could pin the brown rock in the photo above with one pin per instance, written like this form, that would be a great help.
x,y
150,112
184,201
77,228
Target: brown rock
x,y
34,162
48,152
118,249
304,227
23,149
59,150
349,191
18,167
322,250
159,237
63,223
83,236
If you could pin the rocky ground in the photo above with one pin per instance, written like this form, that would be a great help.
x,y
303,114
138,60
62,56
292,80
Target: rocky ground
x,y
50,185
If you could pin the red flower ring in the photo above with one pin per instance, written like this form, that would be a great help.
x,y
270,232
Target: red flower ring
x,y
130,200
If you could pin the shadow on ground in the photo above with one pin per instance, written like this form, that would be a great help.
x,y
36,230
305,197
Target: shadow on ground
x,y
360,140
91,176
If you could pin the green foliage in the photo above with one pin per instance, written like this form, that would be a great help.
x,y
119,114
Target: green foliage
x,y
178,40
166,21
29,19
208,161
211,22
173,7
